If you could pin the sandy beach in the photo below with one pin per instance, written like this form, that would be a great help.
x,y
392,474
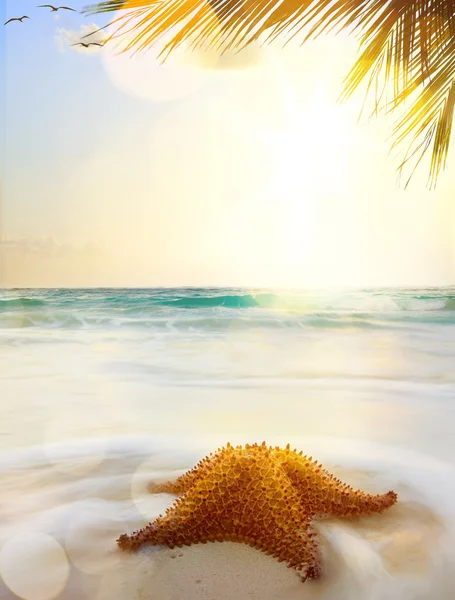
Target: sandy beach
x,y
58,534
103,398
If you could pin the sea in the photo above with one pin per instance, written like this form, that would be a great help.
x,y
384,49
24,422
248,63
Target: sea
x,y
106,390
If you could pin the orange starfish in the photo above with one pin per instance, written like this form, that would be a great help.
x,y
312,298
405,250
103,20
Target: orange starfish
x,y
259,495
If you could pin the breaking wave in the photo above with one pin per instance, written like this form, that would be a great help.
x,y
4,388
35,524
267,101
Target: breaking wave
x,y
212,309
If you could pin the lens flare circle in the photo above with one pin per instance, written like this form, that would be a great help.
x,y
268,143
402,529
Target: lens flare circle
x,y
145,74
148,504
34,566
90,539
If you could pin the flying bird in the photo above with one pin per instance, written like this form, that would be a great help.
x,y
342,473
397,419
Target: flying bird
x,y
55,8
16,19
87,45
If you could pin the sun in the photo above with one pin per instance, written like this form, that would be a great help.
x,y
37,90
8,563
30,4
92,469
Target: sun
x,y
266,160
311,142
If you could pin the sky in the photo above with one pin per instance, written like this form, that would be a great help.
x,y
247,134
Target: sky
x,y
241,170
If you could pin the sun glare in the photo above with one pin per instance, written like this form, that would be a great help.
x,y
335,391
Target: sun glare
x,y
255,176
311,148
258,155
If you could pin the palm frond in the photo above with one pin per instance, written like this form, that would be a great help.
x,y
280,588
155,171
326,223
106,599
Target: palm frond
x,y
407,43
113,5
418,54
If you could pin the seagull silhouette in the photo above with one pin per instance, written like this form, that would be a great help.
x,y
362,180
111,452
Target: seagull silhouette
x,y
16,19
87,45
55,8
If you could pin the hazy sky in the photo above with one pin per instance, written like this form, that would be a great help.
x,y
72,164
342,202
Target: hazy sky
x,y
239,171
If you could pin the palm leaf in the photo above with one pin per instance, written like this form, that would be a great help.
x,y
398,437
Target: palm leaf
x,y
407,49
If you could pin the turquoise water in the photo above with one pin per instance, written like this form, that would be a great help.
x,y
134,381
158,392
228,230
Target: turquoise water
x,y
103,390
386,342
215,308
389,347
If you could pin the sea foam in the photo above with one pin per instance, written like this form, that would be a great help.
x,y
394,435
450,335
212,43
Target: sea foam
x,y
68,523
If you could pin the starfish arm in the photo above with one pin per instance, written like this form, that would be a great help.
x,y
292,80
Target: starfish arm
x,y
302,554
329,495
178,487
191,477
186,524
188,521
295,545
354,503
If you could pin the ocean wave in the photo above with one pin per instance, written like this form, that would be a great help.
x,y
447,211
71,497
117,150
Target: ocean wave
x,y
184,309
328,321
11,303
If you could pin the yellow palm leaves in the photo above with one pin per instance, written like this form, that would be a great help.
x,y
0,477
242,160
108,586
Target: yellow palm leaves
x,y
408,42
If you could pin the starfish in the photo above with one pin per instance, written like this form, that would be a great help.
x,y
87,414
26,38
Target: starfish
x,y
262,496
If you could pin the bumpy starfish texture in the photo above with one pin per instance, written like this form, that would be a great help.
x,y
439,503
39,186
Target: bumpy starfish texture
x,y
259,495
